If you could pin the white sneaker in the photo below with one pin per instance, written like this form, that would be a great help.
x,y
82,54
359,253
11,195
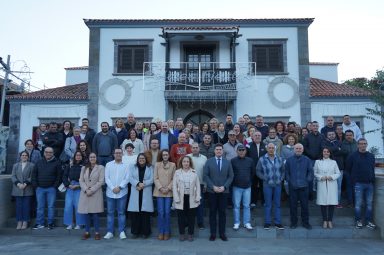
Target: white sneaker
x,y
248,226
236,226
122,235
77,227
109,235
69,227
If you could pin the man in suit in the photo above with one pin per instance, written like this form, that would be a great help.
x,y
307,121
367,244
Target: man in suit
x,y
256,150
218,175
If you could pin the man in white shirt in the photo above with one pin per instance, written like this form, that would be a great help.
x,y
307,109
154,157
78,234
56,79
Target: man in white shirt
x,y
198,161
116,179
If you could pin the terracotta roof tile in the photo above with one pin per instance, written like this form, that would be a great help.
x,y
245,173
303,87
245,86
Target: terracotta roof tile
x,y
77,68
202,28
69,92
323,88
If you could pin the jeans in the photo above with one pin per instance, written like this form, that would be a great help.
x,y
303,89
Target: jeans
x,y
200,208
96,222
295,195
238,195
272,194
103,160
72,201
339,182
116,204
45,195
23,208
164,214
363,192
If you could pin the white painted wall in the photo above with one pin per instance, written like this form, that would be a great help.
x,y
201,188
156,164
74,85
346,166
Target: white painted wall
x,y
320,110
30,114
324,72
76,76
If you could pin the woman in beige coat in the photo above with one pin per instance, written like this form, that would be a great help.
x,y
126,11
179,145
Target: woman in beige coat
x,y
186,196
22,189
163,177
327,172
91,201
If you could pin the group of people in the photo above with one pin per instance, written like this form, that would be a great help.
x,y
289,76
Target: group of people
x,y
226,163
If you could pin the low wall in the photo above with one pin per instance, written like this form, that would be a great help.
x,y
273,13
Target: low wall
x,y
379,201
7,209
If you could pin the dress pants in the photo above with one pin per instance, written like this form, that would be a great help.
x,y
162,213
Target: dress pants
x,y
217,205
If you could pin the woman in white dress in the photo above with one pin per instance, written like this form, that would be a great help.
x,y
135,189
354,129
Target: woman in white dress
x,y
326,173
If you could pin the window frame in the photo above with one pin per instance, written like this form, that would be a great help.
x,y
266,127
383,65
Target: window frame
x,y
282,42
147,44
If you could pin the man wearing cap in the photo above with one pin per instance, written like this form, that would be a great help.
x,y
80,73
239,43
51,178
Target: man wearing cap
x,y
243,172
229,149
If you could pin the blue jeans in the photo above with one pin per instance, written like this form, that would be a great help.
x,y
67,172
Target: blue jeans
x,y
45,195
363,192
164,214
96,222
272,194
238,195
119,205
200,208
23,208
72,201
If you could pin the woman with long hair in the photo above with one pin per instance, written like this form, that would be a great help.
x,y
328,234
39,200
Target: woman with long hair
x,y
163,177
186,194
91,202
22,189
71,178
85,150
147,137
141,201
327,172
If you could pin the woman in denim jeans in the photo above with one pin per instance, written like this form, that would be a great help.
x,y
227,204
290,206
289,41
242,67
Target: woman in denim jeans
x,y
71,178
163,177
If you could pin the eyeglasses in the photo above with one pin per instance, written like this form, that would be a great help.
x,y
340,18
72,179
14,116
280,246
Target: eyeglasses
x,y
241,149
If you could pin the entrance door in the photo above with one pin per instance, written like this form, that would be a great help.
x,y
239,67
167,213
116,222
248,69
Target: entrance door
x,y
198,117
199,54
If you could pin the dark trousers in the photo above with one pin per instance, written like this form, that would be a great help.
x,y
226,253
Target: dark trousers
x,y
257,190
200,208
141,224
327,212
23,208
295,195
186,217
96,222
217,205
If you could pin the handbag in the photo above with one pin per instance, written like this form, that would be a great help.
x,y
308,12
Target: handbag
x,y
62,188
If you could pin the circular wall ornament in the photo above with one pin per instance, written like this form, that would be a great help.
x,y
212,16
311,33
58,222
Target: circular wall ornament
x,y
115,82
291,83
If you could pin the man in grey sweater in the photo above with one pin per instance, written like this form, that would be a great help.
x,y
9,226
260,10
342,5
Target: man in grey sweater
x,y
104,144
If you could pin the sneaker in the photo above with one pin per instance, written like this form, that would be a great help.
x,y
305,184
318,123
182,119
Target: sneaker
x,y
69,227
236,226
248,226
279,226
359,225
109,235
38,226
122,235
371,225
51,226
253,205
77,227
267,226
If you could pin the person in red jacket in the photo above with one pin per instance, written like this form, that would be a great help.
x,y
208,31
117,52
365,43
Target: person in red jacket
x,y
180,149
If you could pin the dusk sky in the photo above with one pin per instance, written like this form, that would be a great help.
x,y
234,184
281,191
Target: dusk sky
x,y
45,36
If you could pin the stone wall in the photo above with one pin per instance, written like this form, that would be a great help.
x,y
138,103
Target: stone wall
x,y
7,208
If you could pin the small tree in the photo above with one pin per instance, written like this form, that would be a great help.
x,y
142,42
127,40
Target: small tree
x,y
375,88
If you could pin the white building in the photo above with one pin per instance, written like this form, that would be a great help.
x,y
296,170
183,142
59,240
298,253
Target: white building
x,y
195,69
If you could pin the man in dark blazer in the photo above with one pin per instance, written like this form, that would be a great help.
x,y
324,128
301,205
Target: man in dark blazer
x,y
256,150
218,175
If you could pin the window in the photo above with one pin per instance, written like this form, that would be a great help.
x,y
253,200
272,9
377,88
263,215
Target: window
x,y
130,56
270,55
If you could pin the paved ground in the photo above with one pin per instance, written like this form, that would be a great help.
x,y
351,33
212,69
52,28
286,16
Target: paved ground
x,y
33,245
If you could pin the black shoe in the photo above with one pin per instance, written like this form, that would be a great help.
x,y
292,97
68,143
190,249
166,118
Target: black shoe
x,y
293,226
51,226
307,226
279,226
267,226
201,226
212,238
135,236
223,237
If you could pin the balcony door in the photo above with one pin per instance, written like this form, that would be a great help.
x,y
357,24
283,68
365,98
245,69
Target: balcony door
x,y
199,54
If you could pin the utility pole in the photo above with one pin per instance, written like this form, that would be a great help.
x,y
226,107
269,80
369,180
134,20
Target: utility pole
x,y
5,85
